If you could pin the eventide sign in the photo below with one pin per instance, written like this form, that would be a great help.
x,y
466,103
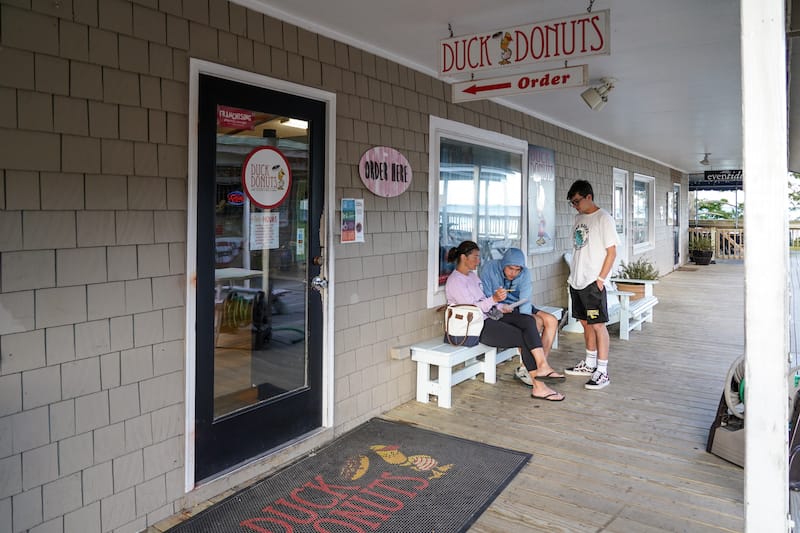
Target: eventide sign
x,y
521,83
266,177
567,38
231,117
716,180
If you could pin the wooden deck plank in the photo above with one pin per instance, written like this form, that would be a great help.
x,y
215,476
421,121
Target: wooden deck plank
x,y
630,457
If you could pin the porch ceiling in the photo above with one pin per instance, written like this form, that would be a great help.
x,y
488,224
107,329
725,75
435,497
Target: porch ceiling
x,y
677,63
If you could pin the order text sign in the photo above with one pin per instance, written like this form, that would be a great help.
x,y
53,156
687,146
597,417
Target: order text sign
x,y
530,82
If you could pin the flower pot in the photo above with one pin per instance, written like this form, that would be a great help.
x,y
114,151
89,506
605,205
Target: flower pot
x,y
702,257
636,288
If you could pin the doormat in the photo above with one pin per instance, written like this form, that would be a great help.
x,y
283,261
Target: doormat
x,y
687,269
380,477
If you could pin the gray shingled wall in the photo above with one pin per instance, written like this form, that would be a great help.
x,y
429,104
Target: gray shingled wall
x,y
93,187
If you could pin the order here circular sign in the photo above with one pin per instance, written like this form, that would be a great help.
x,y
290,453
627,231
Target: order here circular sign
x,y
266,177
385,171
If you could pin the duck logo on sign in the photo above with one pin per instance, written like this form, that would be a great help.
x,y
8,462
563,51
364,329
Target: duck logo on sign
x,y
266,177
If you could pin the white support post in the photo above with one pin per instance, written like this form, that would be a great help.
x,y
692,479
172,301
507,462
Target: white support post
x,y
763,43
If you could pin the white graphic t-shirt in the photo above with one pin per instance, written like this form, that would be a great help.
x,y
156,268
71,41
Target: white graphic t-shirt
x,y
591,235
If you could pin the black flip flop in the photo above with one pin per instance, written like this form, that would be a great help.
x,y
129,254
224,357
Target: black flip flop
x,y
550,377
547,397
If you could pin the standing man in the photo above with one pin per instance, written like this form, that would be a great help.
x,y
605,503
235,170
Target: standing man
x,y
595,248
511,274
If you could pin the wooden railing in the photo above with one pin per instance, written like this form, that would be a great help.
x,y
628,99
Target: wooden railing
x,y
794,235
728,239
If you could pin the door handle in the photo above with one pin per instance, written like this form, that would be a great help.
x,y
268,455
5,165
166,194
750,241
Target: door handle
x,y
318,283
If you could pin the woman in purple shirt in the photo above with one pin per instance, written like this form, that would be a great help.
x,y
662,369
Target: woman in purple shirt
x,y
464,287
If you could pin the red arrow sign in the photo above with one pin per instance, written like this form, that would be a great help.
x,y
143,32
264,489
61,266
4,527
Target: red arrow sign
x,y
529,82
476,89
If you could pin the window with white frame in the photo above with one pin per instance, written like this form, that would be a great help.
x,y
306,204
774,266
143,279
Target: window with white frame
x,y
642,216
476,193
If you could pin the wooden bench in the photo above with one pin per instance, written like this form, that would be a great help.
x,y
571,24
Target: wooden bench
x,y
631,314
479,359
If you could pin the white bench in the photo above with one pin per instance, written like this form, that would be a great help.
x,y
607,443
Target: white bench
x,y
437,353
445,357
631,314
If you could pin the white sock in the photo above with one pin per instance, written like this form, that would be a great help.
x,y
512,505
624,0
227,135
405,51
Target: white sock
x,y
602,366
591,359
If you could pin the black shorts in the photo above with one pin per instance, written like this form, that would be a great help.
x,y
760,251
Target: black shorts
x,y
589,304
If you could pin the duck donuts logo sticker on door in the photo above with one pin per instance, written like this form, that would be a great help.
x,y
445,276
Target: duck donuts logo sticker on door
x,y
385,171
266,177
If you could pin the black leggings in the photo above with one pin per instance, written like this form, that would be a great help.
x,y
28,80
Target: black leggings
x,y
514,329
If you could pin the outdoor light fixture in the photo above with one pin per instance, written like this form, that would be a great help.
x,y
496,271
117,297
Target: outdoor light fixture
x,y
295,123
596,97
705,160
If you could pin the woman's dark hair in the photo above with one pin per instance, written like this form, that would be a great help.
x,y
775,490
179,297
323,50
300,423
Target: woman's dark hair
x,y
464,248
582,187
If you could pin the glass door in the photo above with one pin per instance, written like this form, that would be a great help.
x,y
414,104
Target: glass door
x,y
259,321
674,212
620,213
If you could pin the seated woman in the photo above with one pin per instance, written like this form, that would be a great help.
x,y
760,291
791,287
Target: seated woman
x,y
463,286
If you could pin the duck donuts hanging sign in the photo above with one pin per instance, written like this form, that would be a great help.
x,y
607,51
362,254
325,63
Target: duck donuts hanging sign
x,y
385,171
266,177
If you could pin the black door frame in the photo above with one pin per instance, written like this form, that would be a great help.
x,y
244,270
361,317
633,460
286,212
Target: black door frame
x,y
257,443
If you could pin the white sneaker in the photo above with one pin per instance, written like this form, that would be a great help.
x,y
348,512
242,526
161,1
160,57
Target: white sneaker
x,y
599,380
521,373
581,369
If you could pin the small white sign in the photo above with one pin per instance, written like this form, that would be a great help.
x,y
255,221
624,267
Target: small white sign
x,y
264,231
301,243
531,82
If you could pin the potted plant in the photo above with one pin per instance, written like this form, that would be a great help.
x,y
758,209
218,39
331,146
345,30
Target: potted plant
x,y
701,249
636,272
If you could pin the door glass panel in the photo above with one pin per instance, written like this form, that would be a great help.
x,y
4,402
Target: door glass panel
x,y
260,351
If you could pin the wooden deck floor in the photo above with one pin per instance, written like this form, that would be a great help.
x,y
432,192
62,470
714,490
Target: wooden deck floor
x,y
630,457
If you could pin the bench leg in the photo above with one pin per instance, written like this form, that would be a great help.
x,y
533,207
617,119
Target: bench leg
x,y
490,366
423,381
624,318
444,387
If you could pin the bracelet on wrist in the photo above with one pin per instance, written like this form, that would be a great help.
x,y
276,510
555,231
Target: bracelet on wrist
x,y
601,279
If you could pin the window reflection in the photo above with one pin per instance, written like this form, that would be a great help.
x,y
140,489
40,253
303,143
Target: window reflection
x,y
480,199
642,210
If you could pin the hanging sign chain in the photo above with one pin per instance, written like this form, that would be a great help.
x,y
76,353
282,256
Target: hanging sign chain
x,y
589,9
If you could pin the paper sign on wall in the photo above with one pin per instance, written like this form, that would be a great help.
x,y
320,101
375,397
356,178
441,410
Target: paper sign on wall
x,y
264,231
352,220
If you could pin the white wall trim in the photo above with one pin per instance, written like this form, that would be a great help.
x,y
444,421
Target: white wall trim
x,y
197,67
